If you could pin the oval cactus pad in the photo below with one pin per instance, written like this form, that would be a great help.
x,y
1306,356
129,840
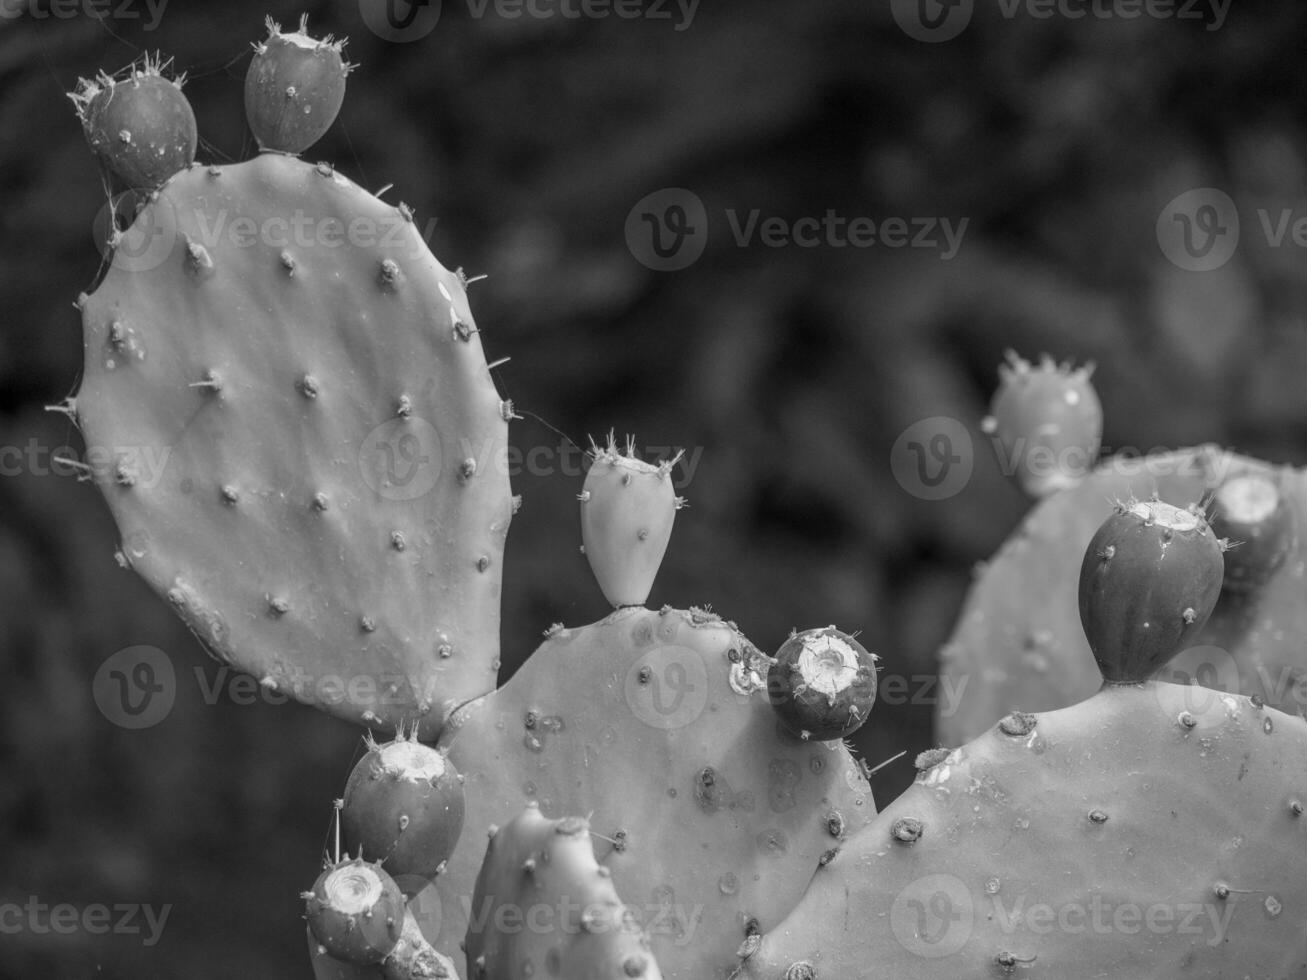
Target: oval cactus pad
x,y
287,406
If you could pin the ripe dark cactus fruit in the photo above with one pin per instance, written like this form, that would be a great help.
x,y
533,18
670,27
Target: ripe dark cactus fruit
x,y
1048,422
356,911
403,807
294,88
822,684
1149,580
140,124
1251,511
627,510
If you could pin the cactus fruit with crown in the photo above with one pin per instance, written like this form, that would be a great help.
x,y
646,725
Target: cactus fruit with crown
x,y
329,416
1047,421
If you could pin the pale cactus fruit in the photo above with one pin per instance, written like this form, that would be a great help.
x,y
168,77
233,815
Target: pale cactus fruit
x,y
627,510
1047,421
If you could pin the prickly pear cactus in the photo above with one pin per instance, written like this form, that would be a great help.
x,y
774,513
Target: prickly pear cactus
x,y
288,409
1018,642
710,815
1144,832
550,909
302,445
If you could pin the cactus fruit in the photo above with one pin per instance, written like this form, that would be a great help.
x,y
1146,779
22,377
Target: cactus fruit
x,y
1019,643
544,907
822,684
627,510
139,125
356,911
317,483
294,88
354,906
1149,580
1048,422
403,807
1250,510
657,727
1137,834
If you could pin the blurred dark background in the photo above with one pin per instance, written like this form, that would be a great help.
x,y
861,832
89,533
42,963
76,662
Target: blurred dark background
x,y
788,371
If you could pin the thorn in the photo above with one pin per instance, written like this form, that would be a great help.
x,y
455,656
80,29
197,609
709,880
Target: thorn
x,y
894,758
67,407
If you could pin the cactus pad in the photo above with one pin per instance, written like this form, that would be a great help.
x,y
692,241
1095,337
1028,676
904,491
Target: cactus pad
x,y
300,440
1138,834
1019,644
709,814
546,908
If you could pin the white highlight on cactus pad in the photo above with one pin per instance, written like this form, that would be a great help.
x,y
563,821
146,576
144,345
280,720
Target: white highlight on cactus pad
x,y
1164,514
352,889
411,760
1248,498
828,664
